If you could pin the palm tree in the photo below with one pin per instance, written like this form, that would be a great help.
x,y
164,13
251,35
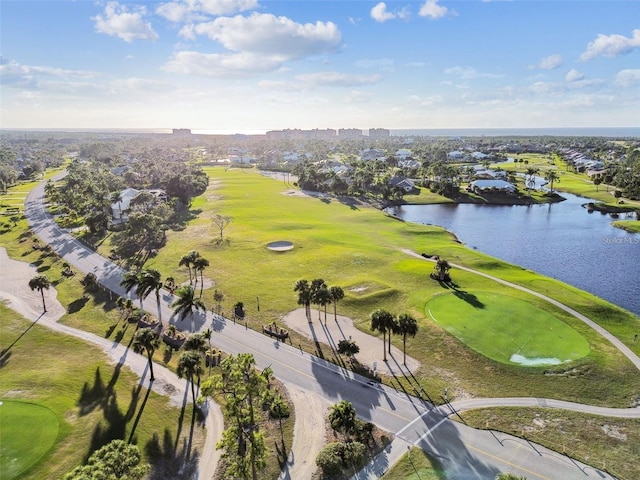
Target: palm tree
x,y
147,339
131,280
597,181
149,281
441,269
196,342
551,176
170,283
304,295
40,283
337,294
381,321
218,297
187,260
406,325
342,418
317,284
116,197
530,177
190,367
186,303
199,264
322,299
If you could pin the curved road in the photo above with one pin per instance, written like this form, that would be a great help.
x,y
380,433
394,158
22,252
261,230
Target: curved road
x,y
465,453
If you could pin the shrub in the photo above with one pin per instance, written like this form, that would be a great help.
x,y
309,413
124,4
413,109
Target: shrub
x,y
329,459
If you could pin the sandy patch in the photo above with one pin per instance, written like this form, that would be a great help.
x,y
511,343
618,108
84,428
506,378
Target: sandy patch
x,y
293,192
16,294
343,328
308,433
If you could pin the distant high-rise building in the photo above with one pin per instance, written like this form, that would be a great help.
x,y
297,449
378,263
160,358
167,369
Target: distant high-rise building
x,y
182,131
379,133
348,133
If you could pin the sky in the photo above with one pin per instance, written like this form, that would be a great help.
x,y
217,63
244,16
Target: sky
x,y
242,66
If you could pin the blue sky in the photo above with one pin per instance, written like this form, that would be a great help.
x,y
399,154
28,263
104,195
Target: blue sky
x,y
253,65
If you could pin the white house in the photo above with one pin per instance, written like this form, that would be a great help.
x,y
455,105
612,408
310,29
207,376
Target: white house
x,y
118,209
404,183
486,186
371,154
402,154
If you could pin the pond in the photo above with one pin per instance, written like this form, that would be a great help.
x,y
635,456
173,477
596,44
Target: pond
x,y
561,240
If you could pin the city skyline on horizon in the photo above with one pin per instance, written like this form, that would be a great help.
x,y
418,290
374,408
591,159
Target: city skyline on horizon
x,y
249,65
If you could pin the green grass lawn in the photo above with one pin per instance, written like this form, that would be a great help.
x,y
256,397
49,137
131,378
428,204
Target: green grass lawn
x,y
416,465
507,329
28,431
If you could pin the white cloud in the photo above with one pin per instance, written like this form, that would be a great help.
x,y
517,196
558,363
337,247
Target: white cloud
x,y
611,46
426,101
258,43
358,96
337,79
548,63
628,78
382,63
191,10
416,64
280,86
380,14
469,72
221,65
574,75
118,21
432,10
15,74
267,34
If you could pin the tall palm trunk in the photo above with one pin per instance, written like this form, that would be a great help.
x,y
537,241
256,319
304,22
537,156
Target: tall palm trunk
x,y
384,351
44,305
149,356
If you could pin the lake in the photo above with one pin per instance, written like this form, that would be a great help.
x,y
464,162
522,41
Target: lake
x,y
560,240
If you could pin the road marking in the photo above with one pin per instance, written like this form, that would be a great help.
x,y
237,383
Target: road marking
x,y
505,461
431,430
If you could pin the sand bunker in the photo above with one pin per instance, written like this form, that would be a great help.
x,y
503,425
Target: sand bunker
x,y
280,246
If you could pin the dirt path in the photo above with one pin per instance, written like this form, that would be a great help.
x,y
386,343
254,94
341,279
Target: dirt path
x,y
16,294
308,433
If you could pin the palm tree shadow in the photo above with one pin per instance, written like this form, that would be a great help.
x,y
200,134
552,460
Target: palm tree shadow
x,y
468,297
135,423
316,341
6,352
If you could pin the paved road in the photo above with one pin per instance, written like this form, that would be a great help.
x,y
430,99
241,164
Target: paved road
x,y
465,453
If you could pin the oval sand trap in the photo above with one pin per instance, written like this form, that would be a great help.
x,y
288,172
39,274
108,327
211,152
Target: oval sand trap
x,y
280,246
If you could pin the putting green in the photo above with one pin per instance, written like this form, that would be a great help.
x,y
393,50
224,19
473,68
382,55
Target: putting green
x,y
506,329
28,432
